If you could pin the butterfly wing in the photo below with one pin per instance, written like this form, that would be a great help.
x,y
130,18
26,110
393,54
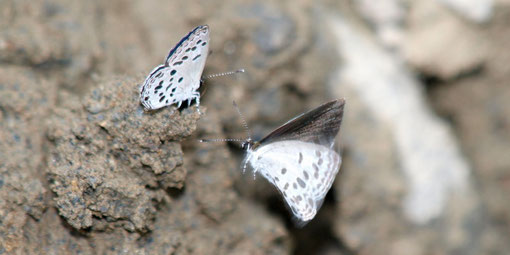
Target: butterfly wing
x,y
303,173
179,77
158,89
319,125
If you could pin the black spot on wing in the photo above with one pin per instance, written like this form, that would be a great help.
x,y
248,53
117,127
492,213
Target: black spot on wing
x,y
196,57
204,43
185,58
181,79
161,99
301,182
173,72
177,63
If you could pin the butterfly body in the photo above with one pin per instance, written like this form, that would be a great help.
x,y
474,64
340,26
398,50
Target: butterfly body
x,y
178,79
298,158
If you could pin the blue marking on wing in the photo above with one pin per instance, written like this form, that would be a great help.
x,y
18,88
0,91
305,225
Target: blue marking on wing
x,y
156,70
180,42
150,76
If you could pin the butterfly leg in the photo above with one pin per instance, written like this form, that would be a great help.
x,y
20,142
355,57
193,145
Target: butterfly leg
x,y
255,170
244,166
245,162
196,95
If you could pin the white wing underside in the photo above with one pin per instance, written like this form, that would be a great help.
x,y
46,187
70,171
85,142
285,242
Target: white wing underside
x,y
179,79
303,173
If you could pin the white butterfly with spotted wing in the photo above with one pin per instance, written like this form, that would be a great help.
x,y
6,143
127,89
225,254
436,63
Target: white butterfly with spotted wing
x,y
179,78
298,158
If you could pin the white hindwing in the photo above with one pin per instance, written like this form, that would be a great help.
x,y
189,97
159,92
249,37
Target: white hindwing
x,y
179,78
303,172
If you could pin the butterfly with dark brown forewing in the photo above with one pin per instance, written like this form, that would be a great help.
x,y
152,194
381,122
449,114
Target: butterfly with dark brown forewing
x,y
298,158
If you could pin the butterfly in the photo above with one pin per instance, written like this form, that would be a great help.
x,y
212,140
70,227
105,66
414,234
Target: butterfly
x,y
178,79
298,158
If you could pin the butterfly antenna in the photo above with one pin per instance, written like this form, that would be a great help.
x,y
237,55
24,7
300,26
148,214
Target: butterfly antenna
x,y
220,140
243,120
222,74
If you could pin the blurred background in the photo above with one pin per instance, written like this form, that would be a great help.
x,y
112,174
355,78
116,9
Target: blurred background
x,y
425,137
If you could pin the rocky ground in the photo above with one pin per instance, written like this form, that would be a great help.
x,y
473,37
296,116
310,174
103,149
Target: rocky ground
x,y
424,141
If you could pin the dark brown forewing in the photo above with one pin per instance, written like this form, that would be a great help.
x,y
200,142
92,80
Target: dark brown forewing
x,y
319,125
